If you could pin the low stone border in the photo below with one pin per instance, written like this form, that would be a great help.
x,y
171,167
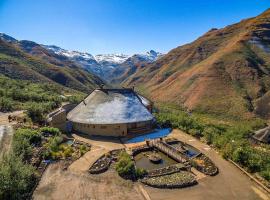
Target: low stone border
x,y
166,170
101,165
140,149
210,169
175,180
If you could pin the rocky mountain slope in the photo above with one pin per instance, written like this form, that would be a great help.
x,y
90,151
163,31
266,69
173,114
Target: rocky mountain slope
x,y
132,64
110,67
28,60
225,71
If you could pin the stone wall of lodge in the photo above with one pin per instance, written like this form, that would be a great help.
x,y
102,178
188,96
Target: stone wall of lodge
x,y
59,120
116,130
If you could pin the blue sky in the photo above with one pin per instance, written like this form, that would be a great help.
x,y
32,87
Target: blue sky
x,y
120,26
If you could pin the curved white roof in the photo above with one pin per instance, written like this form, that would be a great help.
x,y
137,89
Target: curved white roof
x,y
110,106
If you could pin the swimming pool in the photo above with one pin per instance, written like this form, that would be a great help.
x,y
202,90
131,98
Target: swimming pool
x,y
156,134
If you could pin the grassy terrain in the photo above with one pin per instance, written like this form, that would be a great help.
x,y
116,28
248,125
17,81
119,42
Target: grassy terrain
x,y
38,99
229,136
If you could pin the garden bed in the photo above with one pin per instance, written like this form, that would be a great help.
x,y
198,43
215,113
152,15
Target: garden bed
x,y
166,170
101,165
203,164
176,180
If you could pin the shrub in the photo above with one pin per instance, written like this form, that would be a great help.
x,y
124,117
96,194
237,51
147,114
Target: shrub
x,y
16,178
125,166
50,131
23,139
36,113
53,144
83,149
140,173
266,173
68,152
6,104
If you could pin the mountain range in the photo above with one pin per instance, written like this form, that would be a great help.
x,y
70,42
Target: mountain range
x,y
224,72
89,70
107,66
28,60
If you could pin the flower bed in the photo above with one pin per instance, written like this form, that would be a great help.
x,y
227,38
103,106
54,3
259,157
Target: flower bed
x,y
166,170
101,165
176,180
204,165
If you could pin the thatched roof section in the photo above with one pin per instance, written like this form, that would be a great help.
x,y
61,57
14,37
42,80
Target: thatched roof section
x,y
262,135
111,106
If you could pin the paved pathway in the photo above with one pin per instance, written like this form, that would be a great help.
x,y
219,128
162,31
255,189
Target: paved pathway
x,y
85,162
99,146
6,132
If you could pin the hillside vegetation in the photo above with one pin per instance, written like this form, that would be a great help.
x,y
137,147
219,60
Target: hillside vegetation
x,y
30,61
224,72
38,99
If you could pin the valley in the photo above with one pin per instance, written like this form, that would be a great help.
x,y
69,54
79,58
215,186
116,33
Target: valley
x,y
192,123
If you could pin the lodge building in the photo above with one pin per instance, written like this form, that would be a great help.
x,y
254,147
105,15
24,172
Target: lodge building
x,y
106,112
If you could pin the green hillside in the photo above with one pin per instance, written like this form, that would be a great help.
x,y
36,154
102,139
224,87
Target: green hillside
x,y
17,64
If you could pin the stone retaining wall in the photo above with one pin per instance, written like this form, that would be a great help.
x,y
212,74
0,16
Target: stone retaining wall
x,y
167,170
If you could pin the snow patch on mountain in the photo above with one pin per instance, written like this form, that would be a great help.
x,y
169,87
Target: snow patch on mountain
x,y
104,65
67,53
150,56
111,58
